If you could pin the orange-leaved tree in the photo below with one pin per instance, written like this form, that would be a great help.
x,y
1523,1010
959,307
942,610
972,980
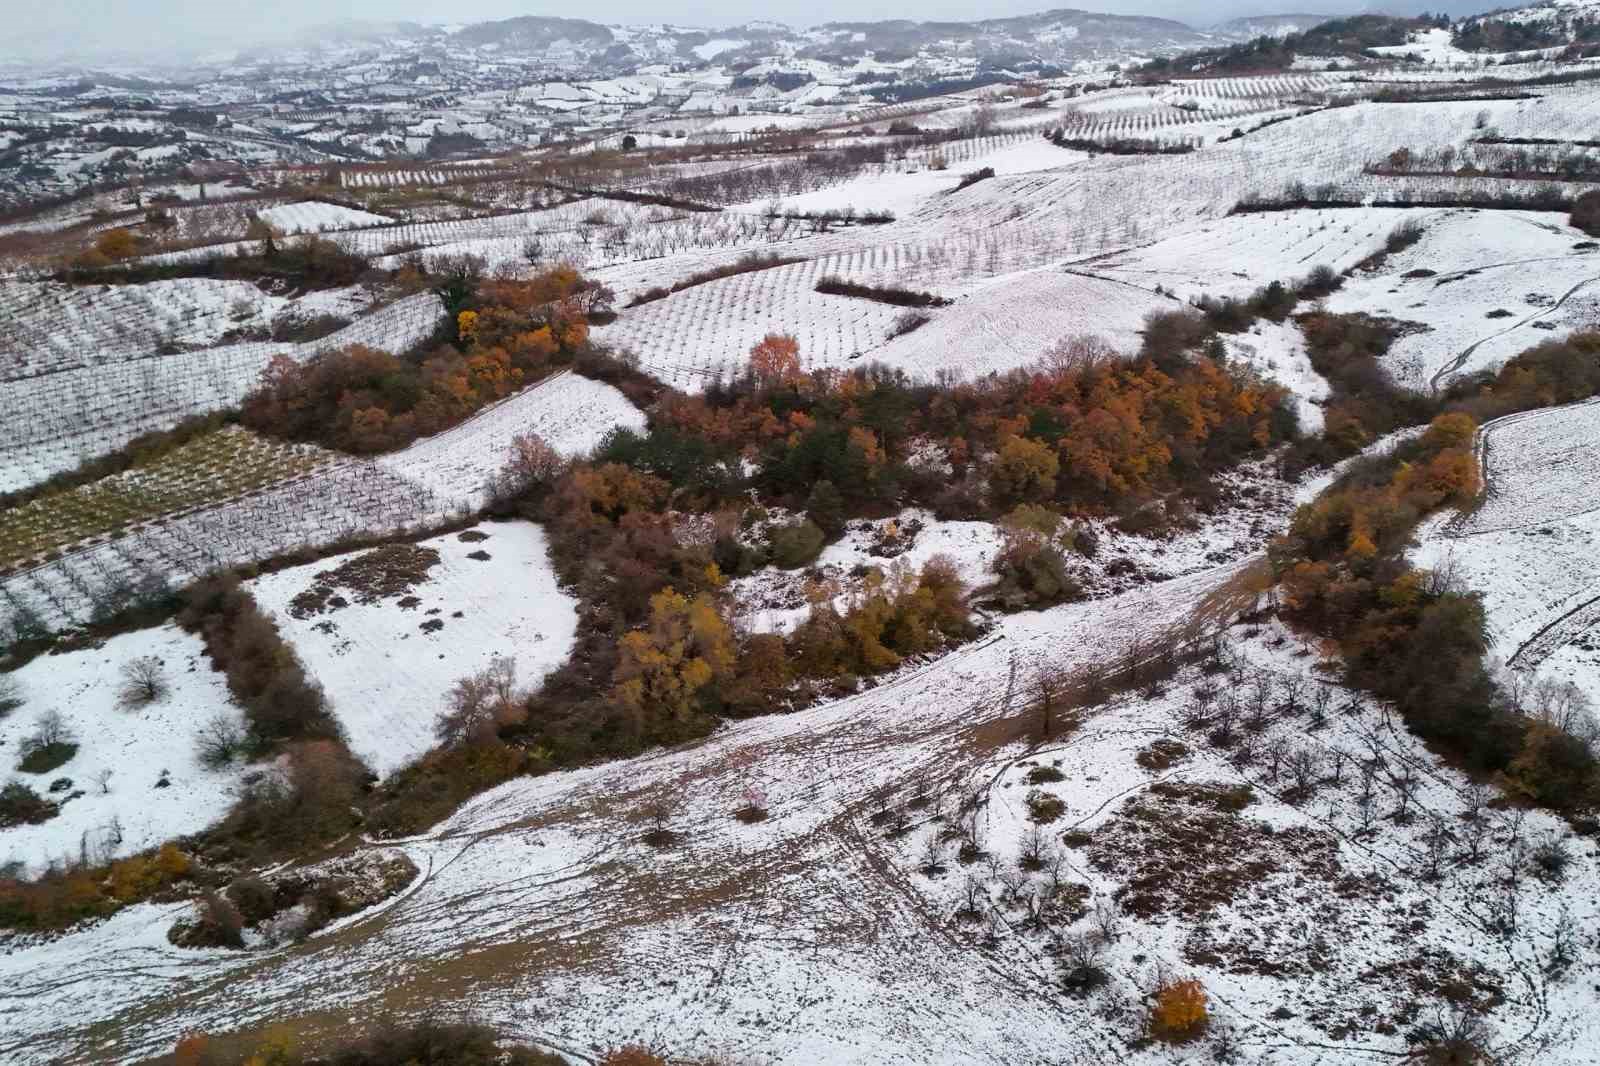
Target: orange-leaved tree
x,y
1181,1010
775,360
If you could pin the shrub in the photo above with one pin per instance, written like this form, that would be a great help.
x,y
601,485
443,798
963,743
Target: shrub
x,y
796,545
1403,236
973,177
434,1043
1044,775
1033,573
144,681
254,898
50,745
833,285
908,322
1181,1011
118,243
632,1055
1551,857
1586,213
219,742
10,695
219,922
1044,808
21,805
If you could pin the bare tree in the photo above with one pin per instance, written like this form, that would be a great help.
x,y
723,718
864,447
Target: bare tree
x,y
1563,941
1033,848
1303,766
481,705
1455,1033
10,695
1256,714
1293,687
1321,702
49,730
1106,919
219,741
1050,686
1404,781
103,779
1339,759
1438,849
144,681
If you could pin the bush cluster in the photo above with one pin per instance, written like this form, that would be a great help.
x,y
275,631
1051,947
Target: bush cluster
x,y
1412,637
506,334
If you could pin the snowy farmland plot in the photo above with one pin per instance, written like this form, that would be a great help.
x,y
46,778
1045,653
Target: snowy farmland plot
x,y
569,412
1533,546
52,422
134,778
1485,285
316,217
388,631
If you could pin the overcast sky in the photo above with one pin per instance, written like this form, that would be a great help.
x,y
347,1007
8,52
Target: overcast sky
x,y
141,24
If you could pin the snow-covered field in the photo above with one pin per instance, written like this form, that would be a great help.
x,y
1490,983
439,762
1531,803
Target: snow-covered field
x,y
1486,284
1533,545
571,413
388,662
313,216
53,422
1309,930
142,747
1333,884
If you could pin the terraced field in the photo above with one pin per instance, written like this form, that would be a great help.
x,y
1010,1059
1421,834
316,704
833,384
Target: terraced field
x,y
218,466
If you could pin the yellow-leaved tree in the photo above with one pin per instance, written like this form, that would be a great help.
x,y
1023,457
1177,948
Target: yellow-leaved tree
x,y
1181,1010
663,670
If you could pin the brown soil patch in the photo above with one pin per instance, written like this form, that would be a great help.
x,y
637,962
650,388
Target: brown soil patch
x,y
1179,851
392,570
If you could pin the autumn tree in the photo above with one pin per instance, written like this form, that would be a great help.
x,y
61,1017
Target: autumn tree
x,y
1181,1010
117,244
665,669
775,360
532,463
1024,469
193,1049
764,674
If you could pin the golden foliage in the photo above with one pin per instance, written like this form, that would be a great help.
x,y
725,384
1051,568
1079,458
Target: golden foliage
x,y
662,668
1181,1010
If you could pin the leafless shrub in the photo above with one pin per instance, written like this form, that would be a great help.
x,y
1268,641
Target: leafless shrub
x,y
144,681
50,730
219,742
10,695
481,705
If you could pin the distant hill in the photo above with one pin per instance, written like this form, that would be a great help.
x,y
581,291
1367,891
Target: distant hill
x,y
1349,38
1060,37
1267,26
535,33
